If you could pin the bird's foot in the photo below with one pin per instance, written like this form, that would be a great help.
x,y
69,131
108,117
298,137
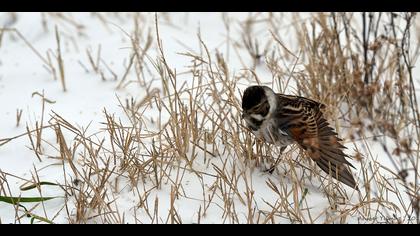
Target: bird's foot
x,y
273,166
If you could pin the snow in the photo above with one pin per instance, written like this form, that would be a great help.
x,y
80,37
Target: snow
x,y
88,95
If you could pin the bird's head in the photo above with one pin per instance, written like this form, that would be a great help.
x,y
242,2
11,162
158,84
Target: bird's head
x,y
258,102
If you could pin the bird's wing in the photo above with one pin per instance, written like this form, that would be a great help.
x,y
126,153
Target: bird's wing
x,y
305,123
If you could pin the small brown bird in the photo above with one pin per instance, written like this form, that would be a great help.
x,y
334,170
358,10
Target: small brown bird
x,y
284,119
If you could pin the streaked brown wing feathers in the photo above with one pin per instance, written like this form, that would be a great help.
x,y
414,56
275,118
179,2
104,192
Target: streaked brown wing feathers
x,y
314,134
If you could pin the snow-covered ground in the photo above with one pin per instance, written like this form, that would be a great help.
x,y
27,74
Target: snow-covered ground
x,y
200,196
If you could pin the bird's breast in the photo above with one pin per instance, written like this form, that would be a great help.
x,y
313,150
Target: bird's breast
x,y
269,132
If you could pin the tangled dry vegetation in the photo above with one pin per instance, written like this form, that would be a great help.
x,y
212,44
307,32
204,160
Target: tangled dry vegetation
x,y
185,140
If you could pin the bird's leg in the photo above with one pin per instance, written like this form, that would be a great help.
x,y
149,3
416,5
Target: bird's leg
x,y
271,169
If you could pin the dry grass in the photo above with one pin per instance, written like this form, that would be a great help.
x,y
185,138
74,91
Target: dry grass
x,y
188,131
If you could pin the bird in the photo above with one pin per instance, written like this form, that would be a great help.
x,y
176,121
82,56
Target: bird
x,y
283,120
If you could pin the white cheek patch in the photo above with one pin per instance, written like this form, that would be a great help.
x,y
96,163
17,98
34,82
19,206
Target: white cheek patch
x,y
257,117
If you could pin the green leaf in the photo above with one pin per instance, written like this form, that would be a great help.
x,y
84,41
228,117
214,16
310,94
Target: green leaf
x,y
16,200
32,186
35,217
305,192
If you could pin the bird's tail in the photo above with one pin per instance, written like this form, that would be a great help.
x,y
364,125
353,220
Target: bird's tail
x,y
328,154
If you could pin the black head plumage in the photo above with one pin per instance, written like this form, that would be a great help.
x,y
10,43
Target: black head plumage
x,y
253,95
